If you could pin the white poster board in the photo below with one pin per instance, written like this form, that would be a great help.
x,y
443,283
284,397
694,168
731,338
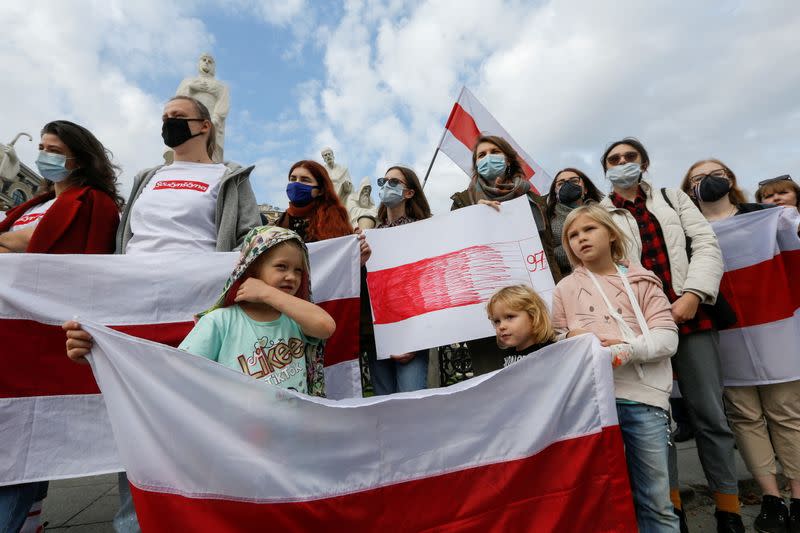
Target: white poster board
x,y
429,281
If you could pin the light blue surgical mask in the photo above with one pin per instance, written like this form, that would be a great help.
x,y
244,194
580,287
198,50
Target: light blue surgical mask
x,y
52,166
491,166
624,176
391,196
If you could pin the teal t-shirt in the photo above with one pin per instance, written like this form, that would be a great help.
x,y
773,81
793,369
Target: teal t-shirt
x,y
273,351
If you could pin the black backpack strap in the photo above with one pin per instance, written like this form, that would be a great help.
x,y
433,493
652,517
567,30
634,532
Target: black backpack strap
x,y
721,313
666,198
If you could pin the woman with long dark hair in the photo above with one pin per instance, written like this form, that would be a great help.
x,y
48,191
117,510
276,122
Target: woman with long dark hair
x,y
77,214
658,224
497,176
79,210
569,189
402,202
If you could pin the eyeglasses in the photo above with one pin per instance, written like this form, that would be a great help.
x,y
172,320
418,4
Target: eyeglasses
x,y
785,177
719,173
616,159
575,180
393,182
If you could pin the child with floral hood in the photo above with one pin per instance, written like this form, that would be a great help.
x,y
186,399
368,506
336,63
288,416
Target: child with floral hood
x,y
264,323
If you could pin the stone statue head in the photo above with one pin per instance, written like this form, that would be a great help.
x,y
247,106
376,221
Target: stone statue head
x,y
365,193
206,65
327,156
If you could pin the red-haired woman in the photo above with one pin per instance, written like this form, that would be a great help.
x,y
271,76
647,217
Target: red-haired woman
x,y
315,211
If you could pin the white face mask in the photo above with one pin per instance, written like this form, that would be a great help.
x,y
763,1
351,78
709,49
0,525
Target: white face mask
x,y
624,176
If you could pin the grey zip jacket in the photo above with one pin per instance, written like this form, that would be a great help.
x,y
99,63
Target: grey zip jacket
x,y
236,213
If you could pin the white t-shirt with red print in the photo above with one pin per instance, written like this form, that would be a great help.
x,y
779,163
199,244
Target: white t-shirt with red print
x,y
175,212
32,217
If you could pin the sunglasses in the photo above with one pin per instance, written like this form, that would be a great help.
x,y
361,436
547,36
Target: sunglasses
x,y
785,177
616,159
575,180
393,182
697,178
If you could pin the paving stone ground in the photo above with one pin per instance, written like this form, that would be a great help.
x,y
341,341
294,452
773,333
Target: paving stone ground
x,y
82,505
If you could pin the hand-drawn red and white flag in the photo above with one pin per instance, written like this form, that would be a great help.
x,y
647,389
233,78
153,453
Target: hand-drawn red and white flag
x,y
53,423
468,120
533,447
427,291
761,251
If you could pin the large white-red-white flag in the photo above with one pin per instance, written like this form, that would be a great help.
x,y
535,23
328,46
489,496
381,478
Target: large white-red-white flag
x,y
468,120
761,251
533,447
53,423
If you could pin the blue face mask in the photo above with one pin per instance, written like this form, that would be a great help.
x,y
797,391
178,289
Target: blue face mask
x,y
52,166
491,166
391,196
300,193
624,176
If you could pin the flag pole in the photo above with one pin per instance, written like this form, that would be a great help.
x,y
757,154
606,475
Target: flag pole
x,y
431,165
439,146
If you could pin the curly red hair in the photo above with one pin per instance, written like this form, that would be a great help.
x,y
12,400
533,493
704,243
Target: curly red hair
x,y
329,218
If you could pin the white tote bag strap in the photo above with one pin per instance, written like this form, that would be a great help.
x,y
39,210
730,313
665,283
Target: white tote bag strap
x,y
625,329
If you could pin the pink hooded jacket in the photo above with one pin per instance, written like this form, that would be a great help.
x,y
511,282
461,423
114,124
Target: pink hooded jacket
x,y
647,378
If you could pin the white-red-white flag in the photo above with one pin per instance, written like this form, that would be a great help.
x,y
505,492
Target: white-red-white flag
x,y
432,292
468,120
53,423
533,447
761,251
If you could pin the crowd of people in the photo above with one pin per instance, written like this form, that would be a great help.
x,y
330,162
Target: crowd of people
x,y
639,268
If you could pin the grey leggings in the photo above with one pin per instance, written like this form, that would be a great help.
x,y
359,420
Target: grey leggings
x,y
700,378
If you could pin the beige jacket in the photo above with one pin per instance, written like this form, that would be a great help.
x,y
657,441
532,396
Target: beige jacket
x,y
703,274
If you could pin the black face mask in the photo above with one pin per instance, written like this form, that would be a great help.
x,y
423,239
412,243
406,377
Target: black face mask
x,y
175,131
712,188
569,193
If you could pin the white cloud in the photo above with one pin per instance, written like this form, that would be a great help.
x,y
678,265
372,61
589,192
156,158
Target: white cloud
x,y
565,78
79,61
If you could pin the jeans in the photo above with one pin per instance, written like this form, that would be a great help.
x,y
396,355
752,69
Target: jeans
x,y
125,520
645,431
390,376
16,501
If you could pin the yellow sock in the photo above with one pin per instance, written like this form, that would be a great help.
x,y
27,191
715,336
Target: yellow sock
x,y
727,502
675,496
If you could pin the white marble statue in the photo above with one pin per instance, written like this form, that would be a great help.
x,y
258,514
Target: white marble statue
x,y
362,210
9,162
339,174
213,94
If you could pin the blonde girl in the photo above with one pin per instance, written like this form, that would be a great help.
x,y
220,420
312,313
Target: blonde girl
x,y
625,306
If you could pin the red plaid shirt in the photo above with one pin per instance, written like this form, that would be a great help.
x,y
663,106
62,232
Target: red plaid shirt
x,y
654,255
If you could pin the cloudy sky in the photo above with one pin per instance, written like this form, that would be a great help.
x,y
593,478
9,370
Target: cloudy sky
x,y
376,80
